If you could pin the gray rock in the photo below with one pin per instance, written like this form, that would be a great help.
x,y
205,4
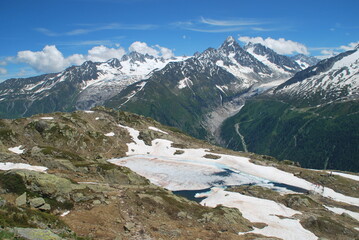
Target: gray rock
x,y
129,226
21,200
182,214
36,202
45,207
35,234
2,202
96,202
47,184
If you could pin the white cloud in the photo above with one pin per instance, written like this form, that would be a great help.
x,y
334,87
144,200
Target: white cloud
x,y
281,45
327,53
102,53
166,53
142,47
50,59
156,51
350,46
3,63
3,71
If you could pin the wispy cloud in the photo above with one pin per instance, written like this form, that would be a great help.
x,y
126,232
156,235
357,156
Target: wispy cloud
x,y
226,23
95,28
47,32
210,25
87,43
219,30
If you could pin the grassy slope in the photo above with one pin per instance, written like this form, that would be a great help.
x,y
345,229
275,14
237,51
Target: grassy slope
x,y
321,137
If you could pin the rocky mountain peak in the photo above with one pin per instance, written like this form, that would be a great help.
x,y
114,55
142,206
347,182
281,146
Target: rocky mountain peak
x,y
230,45
114,62
134,56
259,49
87,64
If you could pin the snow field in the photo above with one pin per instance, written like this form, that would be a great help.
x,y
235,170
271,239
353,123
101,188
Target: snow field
x,y
192,171
17,150
339,211
110,134
157,130
9,166
279,218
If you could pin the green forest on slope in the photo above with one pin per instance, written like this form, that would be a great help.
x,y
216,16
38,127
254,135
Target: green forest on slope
x,y
323,137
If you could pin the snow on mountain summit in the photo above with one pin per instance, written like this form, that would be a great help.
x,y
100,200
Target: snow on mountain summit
x,y
332,79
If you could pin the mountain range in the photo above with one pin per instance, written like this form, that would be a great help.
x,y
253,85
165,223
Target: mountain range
x,y
211,94
311,118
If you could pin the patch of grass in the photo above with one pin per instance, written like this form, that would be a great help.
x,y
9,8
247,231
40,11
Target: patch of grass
x,y
13,183
176,130
11,216
178,152
68,205
6,134
7,235
107,166
212,156
178,145
59,153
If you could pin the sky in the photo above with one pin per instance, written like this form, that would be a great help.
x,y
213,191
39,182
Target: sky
x,y
43,36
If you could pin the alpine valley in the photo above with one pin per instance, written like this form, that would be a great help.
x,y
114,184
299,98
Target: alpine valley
x,y
104,150
247,98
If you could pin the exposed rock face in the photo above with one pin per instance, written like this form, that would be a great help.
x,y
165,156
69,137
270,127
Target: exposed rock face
x,y
21,200
36,202
47,184
35,234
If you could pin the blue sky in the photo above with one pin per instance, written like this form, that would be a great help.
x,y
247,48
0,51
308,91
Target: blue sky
x,y
41,36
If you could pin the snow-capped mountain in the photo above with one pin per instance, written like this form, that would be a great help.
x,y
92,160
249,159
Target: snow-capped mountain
x,y
230,69
77,87
253,64
200,92
305,61
332,79
114,75
311,118
279,64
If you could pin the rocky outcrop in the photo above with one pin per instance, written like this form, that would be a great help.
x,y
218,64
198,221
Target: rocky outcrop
x,y
35,234
21,200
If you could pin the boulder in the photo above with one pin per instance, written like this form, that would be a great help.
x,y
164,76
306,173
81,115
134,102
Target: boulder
x,y
36,202
2,202
35,234
45,207
47,184
21,200
129,226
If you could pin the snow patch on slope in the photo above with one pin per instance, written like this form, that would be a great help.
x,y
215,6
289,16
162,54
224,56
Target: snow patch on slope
x,y
339,211
17,150
9,166
186,82
279,218
157,130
